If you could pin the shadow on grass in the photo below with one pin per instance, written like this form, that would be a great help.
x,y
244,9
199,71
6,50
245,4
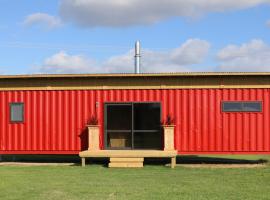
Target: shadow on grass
x,y
217,160
204,160
41,158
76,161
73,160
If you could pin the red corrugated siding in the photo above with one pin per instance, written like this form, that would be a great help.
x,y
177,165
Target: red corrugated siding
x,y
55,120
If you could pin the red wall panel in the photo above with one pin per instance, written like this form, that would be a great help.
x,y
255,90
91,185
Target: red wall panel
x,y
55,121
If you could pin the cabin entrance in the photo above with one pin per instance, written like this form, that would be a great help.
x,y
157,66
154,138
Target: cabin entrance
x,y
132,126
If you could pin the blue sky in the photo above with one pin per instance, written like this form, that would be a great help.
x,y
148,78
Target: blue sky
x,y
87,36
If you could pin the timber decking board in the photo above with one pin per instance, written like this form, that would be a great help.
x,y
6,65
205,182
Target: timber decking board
x,y
128,154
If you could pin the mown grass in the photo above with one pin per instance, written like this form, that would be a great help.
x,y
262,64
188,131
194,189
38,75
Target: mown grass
x,y
151,182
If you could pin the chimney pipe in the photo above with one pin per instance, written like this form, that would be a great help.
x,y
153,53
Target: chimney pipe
x,y
137,57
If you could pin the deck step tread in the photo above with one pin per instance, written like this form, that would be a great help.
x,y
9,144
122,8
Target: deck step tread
x,y
126,165
126,162
117,159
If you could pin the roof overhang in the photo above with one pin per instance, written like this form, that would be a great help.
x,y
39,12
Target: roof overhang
x,y
179,74
135,81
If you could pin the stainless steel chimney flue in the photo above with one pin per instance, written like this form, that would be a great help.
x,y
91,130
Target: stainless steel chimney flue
x,y
137,57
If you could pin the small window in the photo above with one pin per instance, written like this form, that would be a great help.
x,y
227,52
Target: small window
x,y
240,106
17,112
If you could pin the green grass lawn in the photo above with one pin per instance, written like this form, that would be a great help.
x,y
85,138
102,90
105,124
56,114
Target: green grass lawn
x,y
151,182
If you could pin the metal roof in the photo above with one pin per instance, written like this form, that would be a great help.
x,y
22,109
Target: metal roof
x,y
185,74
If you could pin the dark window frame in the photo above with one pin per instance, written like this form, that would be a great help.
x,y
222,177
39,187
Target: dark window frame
x,y
242,106
10,112
133,131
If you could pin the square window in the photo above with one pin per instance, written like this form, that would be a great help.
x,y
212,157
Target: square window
x,y
17,112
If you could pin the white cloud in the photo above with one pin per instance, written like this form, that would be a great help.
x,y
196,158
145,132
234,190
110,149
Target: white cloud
x,y
251,56
119,13
192,52
64,63
42,19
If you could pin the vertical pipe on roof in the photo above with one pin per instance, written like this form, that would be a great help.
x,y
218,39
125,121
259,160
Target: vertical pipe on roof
x,y
137,57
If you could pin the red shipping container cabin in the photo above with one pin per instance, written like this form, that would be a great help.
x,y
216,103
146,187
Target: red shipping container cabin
x,y
213,113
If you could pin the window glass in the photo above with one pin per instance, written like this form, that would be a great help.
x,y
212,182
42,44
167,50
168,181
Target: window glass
x,y
252,107
147,140
119,117
146,116
242,106
232,106
16,112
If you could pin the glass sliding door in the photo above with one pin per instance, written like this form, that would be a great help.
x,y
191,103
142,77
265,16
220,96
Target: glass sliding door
x,y
133,126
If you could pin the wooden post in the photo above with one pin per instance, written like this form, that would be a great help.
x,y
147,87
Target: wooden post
x,y
173,162
93,138
168,138
83,162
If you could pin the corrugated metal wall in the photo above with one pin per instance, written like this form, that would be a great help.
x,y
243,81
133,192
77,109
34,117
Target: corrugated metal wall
x,y
55,120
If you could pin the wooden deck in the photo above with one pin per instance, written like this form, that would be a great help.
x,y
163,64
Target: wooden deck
x,y
128,153
127,156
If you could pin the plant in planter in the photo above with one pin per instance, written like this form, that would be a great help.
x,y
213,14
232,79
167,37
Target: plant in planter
x,y
168,126
169,121
93,121
93,133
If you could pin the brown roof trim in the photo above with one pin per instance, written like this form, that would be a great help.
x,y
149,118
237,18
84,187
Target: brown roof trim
x,y
185,74
135,81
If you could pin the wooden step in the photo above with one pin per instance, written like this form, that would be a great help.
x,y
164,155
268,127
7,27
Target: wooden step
x,y
126,162
123,160
126,165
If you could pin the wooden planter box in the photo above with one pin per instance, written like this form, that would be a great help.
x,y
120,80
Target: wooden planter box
x,y
168,137
93,137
